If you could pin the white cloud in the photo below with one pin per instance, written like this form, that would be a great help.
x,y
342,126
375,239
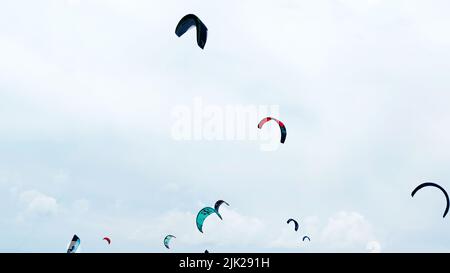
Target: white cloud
x,y
236,230
37,203
347,230
373,247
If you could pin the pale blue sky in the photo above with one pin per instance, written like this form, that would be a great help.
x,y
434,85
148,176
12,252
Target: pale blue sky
x,y
87,89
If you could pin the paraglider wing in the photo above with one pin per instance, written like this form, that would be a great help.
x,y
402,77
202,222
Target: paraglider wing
x,y
217,206
295,223
74,244
167,240
306,237
428,184
108,240
281,124
189,21
202,215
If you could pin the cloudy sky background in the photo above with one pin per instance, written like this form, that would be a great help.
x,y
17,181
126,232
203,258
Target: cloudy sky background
x,y
87,92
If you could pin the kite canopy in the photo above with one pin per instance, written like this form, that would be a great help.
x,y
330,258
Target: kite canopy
x,y
202,215
189,21
107,239
217,206
306,237
167,240
428,184
282,127
74,244
295,223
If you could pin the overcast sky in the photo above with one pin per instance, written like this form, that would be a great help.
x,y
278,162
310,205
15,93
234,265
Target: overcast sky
x,y
87,94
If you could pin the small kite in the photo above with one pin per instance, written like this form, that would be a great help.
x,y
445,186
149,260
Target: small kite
x,y
167,240
296,225
281,124
190,21
217,206
74,244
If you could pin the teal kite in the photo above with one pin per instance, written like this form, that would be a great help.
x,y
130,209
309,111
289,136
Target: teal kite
x,y
201,217
167,240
